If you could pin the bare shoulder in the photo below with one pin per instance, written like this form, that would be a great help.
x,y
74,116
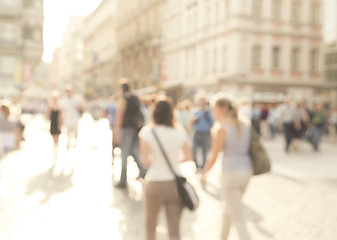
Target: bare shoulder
x,y
218,129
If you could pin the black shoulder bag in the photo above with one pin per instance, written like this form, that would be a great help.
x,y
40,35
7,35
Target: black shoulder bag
x,y
186,191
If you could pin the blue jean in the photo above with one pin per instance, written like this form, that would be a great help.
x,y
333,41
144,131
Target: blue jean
x,y
130,147
316,135
202,140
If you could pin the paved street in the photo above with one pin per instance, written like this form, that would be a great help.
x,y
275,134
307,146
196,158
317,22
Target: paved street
x,y
72,196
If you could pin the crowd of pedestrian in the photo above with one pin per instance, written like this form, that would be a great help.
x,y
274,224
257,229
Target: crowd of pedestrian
x,y
200,128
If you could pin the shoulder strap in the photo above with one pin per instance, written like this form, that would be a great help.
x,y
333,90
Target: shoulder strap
x,y
164,153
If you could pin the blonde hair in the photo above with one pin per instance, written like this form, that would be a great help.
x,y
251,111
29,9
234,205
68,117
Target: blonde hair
x,y
223,101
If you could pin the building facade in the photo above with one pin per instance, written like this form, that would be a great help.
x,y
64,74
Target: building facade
x,y
99,55
139,40
70,55
260,48
21,40
331,72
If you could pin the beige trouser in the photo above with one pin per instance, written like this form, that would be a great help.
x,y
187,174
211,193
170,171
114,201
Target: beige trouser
x,y
159,194
234,185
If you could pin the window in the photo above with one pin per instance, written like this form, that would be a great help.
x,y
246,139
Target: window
x,y
256,57
313,64
276,52
257,9
205,61
224,57
9,3
27,33
295,11
276,10
8,32
28,3
314,15
331,75
214,60
207,14
7,64
295,60
217,15
227,9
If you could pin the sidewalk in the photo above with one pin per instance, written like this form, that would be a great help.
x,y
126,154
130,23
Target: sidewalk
x,y
305,162
75,198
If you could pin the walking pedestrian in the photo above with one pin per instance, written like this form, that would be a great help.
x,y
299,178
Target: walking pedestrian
x,y
290,120
110,114
317,123
160,187
8,131
201,122
72,107
333,124
129,120
54,114
231,135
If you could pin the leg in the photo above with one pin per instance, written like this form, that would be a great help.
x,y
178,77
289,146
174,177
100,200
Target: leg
x,y
287,134
173,208
135,155
152,208
126,144
316,136
226,224
233,189
194,149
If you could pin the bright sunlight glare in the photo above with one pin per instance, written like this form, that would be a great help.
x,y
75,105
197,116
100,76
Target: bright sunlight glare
x,y
56,17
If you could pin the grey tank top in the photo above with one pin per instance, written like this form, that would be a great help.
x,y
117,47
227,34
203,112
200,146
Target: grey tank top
x,y
235,149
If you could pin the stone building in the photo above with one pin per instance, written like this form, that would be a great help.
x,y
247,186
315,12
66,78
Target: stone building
x,y
21,40
99,52
259,48
70,55
139,39
330,68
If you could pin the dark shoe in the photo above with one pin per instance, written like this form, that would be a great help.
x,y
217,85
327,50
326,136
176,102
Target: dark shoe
x,y
120,185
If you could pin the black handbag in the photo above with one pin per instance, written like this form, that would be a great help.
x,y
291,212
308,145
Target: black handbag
x,y
185,190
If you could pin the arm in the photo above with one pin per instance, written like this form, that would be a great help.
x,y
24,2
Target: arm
x,y
119,120
144,152
218,137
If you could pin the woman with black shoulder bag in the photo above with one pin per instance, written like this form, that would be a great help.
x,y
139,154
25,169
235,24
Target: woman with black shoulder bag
x,y
160,185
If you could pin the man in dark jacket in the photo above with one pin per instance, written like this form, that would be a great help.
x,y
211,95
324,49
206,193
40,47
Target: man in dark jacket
x,y
125,133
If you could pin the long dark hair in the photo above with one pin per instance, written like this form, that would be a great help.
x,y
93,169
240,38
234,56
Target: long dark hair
x,y
163,113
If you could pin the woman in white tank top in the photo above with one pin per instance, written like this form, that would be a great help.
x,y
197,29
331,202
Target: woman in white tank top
x,y
231,136
160,187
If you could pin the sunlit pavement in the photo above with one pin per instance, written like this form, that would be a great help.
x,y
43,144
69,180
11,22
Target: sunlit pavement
x,y
72,196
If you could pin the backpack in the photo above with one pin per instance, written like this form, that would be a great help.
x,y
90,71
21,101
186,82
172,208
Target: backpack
x,y
133,115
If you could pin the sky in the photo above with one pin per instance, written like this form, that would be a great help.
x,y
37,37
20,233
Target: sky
x,y
56,16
